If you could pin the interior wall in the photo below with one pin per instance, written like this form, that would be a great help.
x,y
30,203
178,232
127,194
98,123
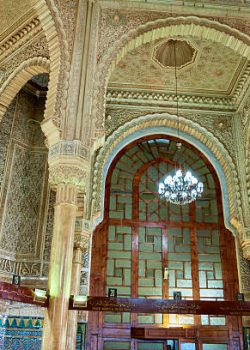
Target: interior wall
x,y
25,199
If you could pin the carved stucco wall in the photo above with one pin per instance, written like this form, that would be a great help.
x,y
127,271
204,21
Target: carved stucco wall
x,y
25,237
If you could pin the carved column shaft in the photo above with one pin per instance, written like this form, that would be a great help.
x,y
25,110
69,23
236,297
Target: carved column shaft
x,y
55,331
81,245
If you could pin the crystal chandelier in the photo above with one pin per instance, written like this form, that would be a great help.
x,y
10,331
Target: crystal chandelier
x,y
180,188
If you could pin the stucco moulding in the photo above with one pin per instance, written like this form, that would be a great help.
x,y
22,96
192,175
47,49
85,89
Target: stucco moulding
x,y
25,33
149,98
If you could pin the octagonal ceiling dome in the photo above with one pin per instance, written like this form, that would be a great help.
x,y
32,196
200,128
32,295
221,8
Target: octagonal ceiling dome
x,y
164,53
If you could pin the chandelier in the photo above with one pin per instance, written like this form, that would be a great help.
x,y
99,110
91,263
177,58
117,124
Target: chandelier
x,y
180,188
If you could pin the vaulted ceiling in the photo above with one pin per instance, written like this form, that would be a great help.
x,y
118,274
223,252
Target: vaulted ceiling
x,y
208,73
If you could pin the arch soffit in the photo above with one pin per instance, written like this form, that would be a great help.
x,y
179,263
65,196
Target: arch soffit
x,y
53,28
19,78
196,27
191,132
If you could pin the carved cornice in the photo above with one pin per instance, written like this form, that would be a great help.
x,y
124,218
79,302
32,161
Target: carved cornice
x,y
164,99
25,33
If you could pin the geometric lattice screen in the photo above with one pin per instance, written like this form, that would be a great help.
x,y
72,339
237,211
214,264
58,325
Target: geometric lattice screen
x,y
147,235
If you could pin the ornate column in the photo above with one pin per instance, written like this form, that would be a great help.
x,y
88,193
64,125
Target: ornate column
x,y
68,175
81,246
245,244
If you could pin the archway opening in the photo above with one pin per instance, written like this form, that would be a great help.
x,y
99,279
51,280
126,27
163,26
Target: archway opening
x,y
149,248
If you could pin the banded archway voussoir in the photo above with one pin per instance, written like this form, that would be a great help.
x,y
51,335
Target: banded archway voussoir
x,y
19,78
189,131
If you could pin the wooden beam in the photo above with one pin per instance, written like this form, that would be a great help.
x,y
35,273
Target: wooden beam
x,y
164,306
20,294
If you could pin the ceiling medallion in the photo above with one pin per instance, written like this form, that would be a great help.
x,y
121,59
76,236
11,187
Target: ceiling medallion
x,y
163,53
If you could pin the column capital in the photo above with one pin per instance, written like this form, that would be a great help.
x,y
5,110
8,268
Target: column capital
x,y
69,164
81,239
68,174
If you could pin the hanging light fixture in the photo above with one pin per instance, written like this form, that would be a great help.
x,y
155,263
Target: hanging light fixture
x,y
180,188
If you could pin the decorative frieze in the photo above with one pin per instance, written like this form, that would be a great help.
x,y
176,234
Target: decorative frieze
x,y
22,268
69,148
25,33
163,99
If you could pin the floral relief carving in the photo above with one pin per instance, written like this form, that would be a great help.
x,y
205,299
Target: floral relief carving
x,y
25,177
37,48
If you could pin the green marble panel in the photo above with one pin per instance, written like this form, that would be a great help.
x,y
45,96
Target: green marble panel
x,y
116,214
114,254
114,281
184,292
116,345
214,347
111,233
175,265
123,263
154,264
150,346
217,321
149,291
123,291
149,256
113,318
184,283
212,293
127,277
146,247
148,319
146,282
206,266
115,246
127,242
171,278
179,257
188,270
218,271
112,202
110,267
209,257
215,284
123,229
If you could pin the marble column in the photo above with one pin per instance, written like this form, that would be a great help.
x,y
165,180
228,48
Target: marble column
x,y
55,323
80,246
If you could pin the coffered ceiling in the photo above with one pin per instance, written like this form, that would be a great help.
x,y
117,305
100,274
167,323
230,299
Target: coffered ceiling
x,y
213,72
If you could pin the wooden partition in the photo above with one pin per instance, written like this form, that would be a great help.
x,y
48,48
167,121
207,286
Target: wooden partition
x,y
149,248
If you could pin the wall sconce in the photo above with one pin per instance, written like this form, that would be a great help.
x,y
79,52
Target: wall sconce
x,y
165,273
80,300
40,295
